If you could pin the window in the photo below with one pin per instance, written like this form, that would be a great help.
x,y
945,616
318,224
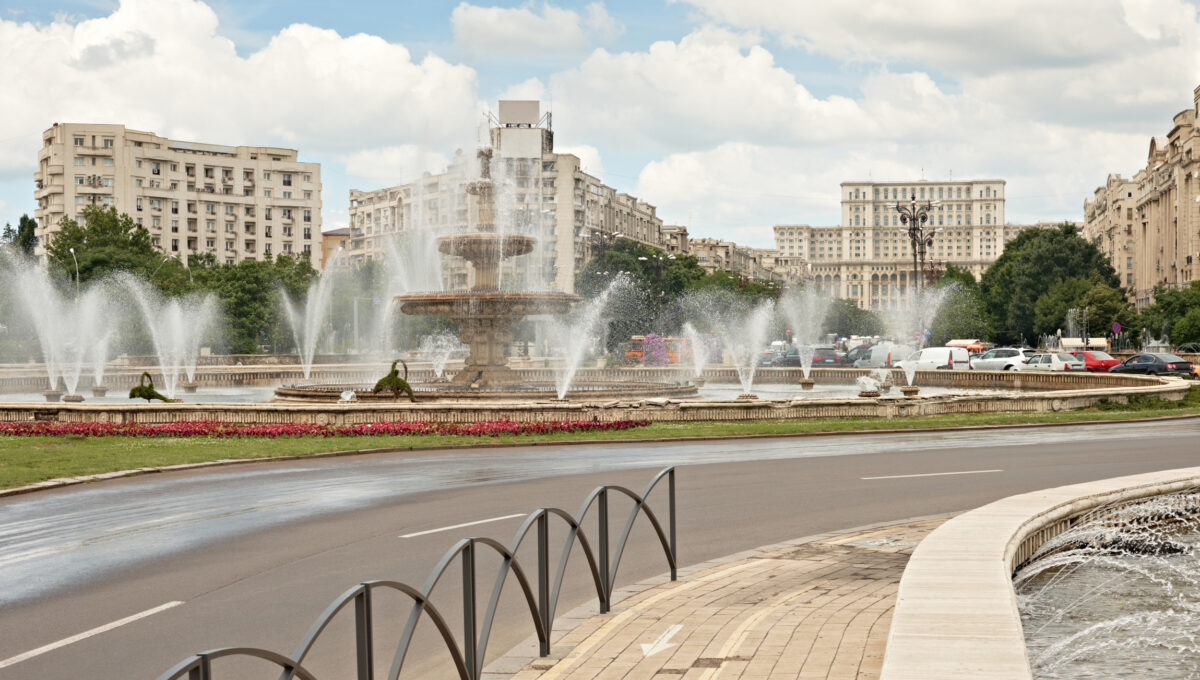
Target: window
x,y
79,141
308,216
137,163
266,193
287,194
79,160
287,179
108,181
308,178
307,195
266,175
108,161
108,143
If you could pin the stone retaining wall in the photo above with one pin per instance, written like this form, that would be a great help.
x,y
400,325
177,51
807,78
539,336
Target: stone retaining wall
x,y
653,410
956,615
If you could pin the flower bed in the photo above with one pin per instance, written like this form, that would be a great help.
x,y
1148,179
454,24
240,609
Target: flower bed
x,y
208,428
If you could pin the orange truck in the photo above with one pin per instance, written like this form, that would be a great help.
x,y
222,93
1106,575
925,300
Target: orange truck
x,y
678,349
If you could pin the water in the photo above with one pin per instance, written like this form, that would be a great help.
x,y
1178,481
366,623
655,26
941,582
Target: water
x,y
308,323
745,335
1117,595
918,309
438,348
580,333
805,310
71,331
177,328
806,356
699,349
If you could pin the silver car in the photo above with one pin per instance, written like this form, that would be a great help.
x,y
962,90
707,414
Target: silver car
x,y
1002,359
1059,361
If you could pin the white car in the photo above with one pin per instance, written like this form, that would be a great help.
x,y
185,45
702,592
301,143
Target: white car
x,y
930,358
883,355
1059,361
1002,359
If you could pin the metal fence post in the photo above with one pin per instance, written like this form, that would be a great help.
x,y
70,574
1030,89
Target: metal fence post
x,y
604,575
363,636
543,539
202,671
469,641
671,510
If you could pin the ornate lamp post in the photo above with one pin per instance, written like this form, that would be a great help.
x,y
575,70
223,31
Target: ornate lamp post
x,y
915,215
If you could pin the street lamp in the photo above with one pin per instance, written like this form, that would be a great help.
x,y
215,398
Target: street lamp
x,y
915,215
76,271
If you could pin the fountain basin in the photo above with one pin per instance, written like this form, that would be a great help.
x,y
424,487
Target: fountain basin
x,y
99,390
522,391
52,395
72,398
909,391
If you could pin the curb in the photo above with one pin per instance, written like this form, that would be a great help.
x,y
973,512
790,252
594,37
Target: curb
x,y
526,652
134,472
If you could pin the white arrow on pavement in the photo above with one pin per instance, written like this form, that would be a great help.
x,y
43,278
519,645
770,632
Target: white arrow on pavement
x,y
663,642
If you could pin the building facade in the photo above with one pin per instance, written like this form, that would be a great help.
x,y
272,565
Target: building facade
x,y
1150,225
1108,221
869,258
539,192
235,202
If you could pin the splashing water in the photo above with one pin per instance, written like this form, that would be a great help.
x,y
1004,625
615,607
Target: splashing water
x,y
866,383
699,348
744,336
177,327
917,311
308,323
805,310
806,357
1117,594
438,348
579,333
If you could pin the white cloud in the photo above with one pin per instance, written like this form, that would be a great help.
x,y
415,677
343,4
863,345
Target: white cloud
x,y
532,88
393,165
703,90
589,157
162,65
525,33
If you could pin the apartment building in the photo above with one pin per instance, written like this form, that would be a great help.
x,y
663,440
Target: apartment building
x,y
675,239
1108,222
868,257
1154,218
717,255
235,202
537,191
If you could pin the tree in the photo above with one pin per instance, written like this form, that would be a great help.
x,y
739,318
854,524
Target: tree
x,y
1187,327
24,237
1050,310
1031,264
105,242
1171,306
845,318
962,313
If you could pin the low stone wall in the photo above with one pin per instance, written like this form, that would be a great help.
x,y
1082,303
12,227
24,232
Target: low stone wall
x,y
653,410
956,613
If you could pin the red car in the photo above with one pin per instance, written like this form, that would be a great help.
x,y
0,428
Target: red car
x,y
1096,362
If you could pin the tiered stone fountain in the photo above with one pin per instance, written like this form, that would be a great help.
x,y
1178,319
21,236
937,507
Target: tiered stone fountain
x,y
486,315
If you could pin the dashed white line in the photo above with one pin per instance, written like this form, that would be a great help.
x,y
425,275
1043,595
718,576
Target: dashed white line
x,y
460,526
87,634
934,474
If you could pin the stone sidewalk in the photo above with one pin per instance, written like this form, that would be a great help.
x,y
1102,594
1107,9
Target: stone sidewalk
x,y
818,607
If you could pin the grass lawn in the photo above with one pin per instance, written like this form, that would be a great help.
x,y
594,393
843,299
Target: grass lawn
x,y
27,460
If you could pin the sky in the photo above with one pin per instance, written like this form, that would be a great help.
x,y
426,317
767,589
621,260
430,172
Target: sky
x,y
730,116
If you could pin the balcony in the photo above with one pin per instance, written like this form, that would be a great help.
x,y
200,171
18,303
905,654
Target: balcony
x,y
48,191
93,150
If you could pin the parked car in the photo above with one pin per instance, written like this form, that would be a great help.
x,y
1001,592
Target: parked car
x,y
1155,363
946,358
883,355
823,357
1058,361
1002,359
1096,362
857,353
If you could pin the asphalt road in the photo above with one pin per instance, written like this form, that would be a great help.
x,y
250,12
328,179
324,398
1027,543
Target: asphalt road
x,y
250,555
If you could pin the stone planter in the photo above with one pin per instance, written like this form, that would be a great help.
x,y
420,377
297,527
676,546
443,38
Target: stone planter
x,y
807,383
909,391
869,394
189,387
99,390
52,395
73,398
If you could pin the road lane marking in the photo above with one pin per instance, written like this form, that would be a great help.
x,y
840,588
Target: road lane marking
x,y
460,526
934,474
663,642
87,634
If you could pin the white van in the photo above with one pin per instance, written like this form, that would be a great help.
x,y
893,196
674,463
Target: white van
x,y
884,355
931,358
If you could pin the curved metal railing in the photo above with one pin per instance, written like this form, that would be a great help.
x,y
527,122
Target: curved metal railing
x,y
468,657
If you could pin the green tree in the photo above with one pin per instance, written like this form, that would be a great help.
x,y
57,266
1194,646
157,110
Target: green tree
x,y
1031,264
1187,327
1105,305
845,318
106,242
1171,306
24,237
962,314
1050,310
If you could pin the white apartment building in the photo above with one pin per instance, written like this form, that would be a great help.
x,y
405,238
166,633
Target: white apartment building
x,y
868,258
236,202
537,191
